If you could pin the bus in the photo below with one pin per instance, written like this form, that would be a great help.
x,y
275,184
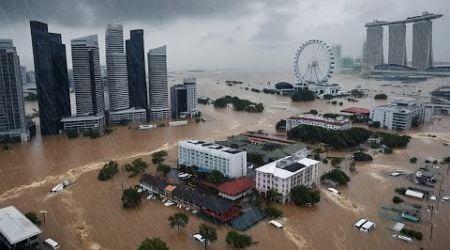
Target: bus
x,y
359,224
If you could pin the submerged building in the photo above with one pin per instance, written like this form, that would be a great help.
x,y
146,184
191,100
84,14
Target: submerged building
x,y
286,173
400,114
13,125
52,82
209,156
158,86
339,123
184,99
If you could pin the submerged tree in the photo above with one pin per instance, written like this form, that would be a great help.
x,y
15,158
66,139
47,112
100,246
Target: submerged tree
x,y
178,220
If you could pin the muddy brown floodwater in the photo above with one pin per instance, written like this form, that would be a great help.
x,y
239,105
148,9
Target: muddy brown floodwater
x,y
88,215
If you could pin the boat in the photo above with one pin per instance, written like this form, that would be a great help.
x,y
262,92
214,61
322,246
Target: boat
x,y
402,237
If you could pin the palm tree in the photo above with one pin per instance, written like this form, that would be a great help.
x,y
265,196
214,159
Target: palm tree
x,y
208,233
178,220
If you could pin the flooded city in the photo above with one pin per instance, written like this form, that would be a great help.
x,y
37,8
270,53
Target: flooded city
x,y
89,213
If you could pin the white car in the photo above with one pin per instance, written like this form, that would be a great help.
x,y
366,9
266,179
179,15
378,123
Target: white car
x,y
446,198
169,203
150,197
433,198
199,238
51,243
401,237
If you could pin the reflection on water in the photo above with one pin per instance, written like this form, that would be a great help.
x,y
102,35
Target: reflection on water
x,y
89,214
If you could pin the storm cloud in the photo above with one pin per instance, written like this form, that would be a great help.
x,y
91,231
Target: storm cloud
x,y
217,34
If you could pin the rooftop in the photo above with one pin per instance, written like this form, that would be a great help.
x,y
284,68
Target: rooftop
x,y
285,168
236,186
213,146
356,110
15,227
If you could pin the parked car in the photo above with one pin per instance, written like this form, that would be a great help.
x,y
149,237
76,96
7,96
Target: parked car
x,y
199,238
52,244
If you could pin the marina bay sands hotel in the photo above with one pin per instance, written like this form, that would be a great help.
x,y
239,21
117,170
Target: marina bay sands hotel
x,y
422,50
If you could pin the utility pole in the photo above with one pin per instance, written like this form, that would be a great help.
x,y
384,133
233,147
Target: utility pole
x,y
43,212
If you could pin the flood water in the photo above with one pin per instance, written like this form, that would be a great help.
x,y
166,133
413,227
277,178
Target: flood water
x,y
88,215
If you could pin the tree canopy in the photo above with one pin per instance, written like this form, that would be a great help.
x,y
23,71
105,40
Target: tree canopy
x,y
131,198
302,195
178,220
273,212
32,216
159,157
336,175
208,233
138,166
239,104
216,177
153,244
303,95
108,171
380,97
238,240
361,156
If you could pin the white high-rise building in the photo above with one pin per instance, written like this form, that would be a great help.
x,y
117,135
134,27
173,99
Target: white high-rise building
x,y
12,111
337,54
286,173
159,92
208,156
116,66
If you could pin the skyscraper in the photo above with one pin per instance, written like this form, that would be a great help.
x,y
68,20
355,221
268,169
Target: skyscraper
x,y
116,64
136,69
422,56
12,111
159,96
183,99
374,46
397,44
178,100
23,74
52,82
87,76
191,92
337,53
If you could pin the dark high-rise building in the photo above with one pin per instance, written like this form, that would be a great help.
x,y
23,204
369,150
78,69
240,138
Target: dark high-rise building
x,y
136,69
178,100
52,82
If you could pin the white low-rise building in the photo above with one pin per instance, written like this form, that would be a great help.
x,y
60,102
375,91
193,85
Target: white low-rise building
x,y
84,123
209,156
284,174
339,123
16,230
399,114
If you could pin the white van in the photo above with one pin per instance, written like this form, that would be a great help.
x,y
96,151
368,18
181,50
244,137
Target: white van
x,y
334,191
368,226
51,243
359,224
276,224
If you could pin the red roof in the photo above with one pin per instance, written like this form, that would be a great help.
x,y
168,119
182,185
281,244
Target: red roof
x,y
236,186
356,110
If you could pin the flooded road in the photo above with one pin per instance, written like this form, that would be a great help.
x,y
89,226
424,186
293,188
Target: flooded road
x,y
88,215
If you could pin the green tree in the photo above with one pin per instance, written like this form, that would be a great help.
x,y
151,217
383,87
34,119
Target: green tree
x,y
159,157
336,161
131,198
178,220
137,167
237,240
257,159
32,216
361,156
208,233
153,244
281,125
273,212
413,160
72,134
397,199
108,171
216,177
163,168
303,95
313,112
302,195
336,175
272,195
380,97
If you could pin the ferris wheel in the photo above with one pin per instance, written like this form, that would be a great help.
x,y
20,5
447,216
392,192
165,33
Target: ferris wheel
x,y
314,63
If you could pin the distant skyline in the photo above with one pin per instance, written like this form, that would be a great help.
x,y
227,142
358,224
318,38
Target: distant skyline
x,y
217,34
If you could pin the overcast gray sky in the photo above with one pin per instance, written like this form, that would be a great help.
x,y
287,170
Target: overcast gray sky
x,y
219,34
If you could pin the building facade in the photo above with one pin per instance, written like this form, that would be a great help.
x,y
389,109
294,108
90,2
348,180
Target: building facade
x,y
87,76
84,123
208,156
178,101
12,111
116,67
286,173
159,92
337,54
318,121
137,85
399,114
397,44
191,89
374,46
52,82
131,115
422,57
